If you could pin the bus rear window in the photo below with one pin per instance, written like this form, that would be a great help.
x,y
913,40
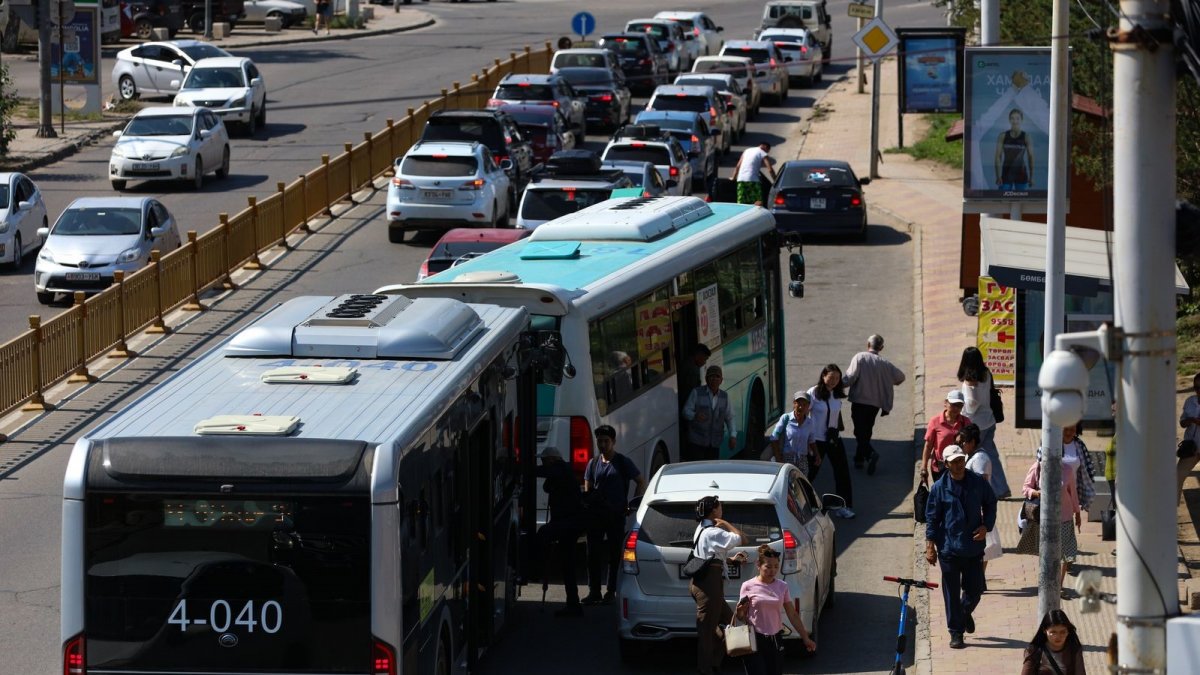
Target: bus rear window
x,y
253,583
673,525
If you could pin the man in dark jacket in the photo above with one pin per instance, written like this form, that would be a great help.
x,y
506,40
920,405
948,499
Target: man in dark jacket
x,y
565,524
960,512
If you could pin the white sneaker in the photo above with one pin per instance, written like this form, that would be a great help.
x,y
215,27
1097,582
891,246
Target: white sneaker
x,y
844,513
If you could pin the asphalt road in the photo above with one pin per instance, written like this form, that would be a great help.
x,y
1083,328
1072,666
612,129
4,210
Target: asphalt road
x,y
331,93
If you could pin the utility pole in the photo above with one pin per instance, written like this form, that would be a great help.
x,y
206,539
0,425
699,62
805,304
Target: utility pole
x,y
989,23
45,117
875,86
208,19
858,61
1143,248
1050,544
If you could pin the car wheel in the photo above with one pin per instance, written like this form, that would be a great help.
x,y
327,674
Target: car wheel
x,y
861,236
143,29
262,116
827,52
223,170
252,125
495,222
18,252
832,579
820,74
118,185
126,88
196,22
198,179
45,298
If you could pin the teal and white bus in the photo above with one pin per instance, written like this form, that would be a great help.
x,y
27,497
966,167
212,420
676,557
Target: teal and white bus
x,y
633,284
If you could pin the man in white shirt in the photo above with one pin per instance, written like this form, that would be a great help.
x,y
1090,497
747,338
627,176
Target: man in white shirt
x,y
748,171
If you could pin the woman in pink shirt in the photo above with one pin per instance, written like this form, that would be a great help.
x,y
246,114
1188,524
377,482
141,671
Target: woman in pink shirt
x,y
763,601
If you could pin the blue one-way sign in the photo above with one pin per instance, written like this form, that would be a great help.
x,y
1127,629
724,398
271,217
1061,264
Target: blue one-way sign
x,y
583,23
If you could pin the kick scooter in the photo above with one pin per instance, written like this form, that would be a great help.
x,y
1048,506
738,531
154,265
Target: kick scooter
x,y
901,634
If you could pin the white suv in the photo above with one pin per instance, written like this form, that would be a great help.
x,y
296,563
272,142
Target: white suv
x,y
230,86
663,151
445,185
771,503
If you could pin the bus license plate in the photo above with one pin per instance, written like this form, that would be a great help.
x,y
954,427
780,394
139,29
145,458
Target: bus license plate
x,y
816,203
143,166
437,194
82,276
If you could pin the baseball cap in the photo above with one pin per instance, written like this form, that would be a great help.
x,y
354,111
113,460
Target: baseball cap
x,y
955,396
801,395
953,452
605,430
550,451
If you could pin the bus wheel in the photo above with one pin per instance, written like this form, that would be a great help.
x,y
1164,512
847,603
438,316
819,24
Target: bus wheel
x,y
661,459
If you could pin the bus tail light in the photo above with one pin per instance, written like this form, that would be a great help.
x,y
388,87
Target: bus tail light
x,y
581,445
383,658
791,553
629,563
73,661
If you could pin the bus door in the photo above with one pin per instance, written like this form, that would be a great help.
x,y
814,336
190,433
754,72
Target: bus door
x,y
683,329
478,449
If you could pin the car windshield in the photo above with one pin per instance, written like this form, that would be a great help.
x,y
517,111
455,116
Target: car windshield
x,y
815,176
779,11
658,30
556,202
98,221
435,166
683,103
203,51
626,46
701,82
159,125
482,130
671,124
579,61
525,92
214,78
636,176
734,68
783,40
673,524
685,24
655,154
586,76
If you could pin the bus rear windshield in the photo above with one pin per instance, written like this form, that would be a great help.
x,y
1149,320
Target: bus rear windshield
x,y
551,204
211,583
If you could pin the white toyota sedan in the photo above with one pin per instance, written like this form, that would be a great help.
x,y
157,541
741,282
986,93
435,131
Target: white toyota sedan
x,y
771,503
170,144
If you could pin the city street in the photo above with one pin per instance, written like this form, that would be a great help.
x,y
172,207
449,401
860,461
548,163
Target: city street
x,y
322,96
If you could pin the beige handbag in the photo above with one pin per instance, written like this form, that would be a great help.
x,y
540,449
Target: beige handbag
x,y
740,640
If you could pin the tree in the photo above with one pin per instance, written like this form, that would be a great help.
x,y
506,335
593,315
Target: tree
x,y
8,107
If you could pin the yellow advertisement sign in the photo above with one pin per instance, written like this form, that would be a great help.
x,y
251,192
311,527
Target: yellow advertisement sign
x,y
996,335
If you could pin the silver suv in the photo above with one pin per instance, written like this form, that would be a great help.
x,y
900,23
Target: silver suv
x,y
812,15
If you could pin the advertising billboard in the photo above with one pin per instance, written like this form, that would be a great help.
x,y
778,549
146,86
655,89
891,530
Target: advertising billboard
x,y
75,49
1006,137
931,69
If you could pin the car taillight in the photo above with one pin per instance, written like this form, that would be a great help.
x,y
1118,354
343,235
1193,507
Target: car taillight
x,y
670,46
424,271
384,659
581,445
791,553
772,63
403,184
476,184
603,98
695,139
673,172
855,201
522,84
696,31
803,49
779,200
629,556
554,103
644,62
494,103
712,113
501,158
73,663
570,192
637,145
645,194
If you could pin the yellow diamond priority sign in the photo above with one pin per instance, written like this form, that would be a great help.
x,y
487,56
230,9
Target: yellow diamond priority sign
x,y
876,39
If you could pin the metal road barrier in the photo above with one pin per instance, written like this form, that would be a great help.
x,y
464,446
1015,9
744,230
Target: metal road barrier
x,y
96,326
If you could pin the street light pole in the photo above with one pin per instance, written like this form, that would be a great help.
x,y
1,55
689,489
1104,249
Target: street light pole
x,y
1144,189
45,113
1050,544
875,87
989,23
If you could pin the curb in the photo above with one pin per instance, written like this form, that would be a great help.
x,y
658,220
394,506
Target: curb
x,y
922,656
70,148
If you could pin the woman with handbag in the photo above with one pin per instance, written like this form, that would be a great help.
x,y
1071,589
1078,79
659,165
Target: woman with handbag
x,y
1077,493
1186,451
764,600
714,538
977,385
1056,649
826,408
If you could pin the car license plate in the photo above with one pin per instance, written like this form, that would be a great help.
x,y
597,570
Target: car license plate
x,y
143,166
437,194
83,276
816,203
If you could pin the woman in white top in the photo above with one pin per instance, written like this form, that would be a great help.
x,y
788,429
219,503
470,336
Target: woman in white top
x,y
826,411
977,386
981,464
714,540
1189,420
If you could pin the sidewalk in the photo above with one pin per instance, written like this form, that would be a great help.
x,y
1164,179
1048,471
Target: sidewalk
x,y
28,152
929,198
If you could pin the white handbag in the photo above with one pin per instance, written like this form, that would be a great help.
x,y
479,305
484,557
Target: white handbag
x,y
740,640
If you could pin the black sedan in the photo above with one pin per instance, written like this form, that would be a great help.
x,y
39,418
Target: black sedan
x,y
823,197
607,99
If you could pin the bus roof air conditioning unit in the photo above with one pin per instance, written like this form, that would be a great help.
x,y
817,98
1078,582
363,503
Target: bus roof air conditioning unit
x,y
625,219
361,327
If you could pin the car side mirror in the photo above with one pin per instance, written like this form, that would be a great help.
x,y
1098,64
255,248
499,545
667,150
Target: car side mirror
x,y
43,232
177,62
796,268
205,133
117,133
506,164
256,82
864,181
832,502
720,29
24,206
156,232
175,84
